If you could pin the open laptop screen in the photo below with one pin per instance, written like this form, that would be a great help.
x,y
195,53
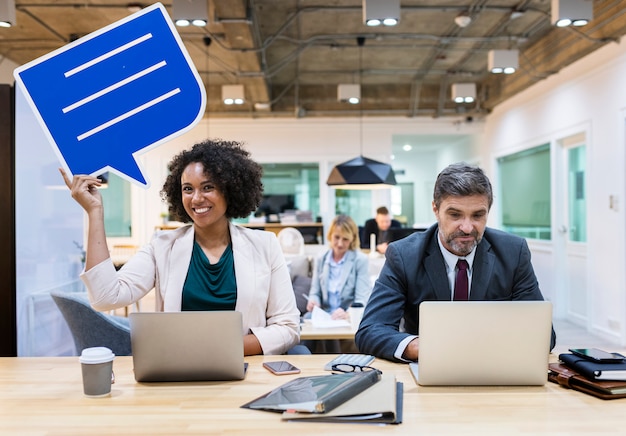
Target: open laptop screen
x,y
484,342
186,346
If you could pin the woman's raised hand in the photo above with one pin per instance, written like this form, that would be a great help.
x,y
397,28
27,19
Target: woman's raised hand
x,y
84,190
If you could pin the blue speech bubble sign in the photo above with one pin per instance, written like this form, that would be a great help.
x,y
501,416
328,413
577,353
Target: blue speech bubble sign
x,y
114,93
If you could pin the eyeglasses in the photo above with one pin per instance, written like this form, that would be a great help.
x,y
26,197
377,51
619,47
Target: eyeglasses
x,y
347,367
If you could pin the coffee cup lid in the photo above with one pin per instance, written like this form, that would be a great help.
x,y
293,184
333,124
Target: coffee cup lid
x,y
96,355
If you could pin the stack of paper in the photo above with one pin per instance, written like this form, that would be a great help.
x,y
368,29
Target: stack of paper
x,y
322,319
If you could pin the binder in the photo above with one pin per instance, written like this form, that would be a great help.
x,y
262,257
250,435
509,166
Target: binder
x,y
595,370
569,378
380,404
315,394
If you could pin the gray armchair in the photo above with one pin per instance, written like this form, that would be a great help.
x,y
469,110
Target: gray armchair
x,y
91,328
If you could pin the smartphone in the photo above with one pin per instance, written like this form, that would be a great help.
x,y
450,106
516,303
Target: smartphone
x,y
596,355
281,367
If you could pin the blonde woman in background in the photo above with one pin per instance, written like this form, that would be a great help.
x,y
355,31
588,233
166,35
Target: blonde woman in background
x,y
340,275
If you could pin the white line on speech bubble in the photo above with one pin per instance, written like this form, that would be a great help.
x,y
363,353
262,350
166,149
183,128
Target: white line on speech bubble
x,y
105,56
128,114
113,87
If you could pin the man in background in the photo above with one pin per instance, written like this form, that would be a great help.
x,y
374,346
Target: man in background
x,y
379,226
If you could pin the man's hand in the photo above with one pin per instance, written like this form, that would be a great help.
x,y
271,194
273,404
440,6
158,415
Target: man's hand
x,y
411,352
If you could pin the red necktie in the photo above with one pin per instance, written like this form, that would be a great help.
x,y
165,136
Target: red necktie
x,y
461,286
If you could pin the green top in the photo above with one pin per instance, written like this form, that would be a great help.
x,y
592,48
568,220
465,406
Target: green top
x,y
210,287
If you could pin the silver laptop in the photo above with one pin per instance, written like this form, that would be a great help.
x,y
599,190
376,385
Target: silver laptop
x,y
483,343
187,346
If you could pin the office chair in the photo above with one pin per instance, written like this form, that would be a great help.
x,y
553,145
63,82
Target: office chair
x,y
291,241
91,328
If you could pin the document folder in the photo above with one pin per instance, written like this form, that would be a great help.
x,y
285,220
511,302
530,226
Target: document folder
x,y
381,403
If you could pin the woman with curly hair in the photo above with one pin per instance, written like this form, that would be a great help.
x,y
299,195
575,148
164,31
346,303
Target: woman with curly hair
x,y
209,264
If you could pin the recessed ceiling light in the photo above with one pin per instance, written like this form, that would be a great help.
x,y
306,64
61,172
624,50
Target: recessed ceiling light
x,y
463,19
134,7
262,106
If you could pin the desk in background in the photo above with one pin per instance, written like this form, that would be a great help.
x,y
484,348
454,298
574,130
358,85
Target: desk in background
x,y
313,233
309,332
43,395
120,254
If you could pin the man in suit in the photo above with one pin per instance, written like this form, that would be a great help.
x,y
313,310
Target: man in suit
x,y
423,267
379,226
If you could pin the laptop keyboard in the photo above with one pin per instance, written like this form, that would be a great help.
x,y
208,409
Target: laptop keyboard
x,y
351,359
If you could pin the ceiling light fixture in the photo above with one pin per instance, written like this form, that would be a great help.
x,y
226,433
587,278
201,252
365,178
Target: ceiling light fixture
x,y
349,92
571,12
190,12
134,7
377,12
463,92
262,106
361,172
463,19
503,61
516,14
7,13
233,94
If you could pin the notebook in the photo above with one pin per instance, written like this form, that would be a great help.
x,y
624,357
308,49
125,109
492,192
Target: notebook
x,y
484,343
187,346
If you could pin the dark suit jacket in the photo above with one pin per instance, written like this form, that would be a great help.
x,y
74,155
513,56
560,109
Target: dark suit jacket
x,y
371,226
415,271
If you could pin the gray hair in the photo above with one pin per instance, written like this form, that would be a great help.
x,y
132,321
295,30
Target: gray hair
x,y
461,180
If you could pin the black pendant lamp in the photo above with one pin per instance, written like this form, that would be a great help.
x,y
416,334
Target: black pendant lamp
x,y
361,172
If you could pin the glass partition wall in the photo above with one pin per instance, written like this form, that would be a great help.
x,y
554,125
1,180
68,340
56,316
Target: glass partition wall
x,y
525,191
287,188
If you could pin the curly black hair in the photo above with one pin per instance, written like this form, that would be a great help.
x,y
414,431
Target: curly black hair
x,y
230,168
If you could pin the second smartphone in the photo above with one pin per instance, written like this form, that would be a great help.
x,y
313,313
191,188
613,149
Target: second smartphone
x,y
597,355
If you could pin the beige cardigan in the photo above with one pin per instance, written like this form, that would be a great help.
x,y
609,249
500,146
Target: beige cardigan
x,y
264,291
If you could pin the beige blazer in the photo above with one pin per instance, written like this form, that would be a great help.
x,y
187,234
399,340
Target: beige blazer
x,y
264,291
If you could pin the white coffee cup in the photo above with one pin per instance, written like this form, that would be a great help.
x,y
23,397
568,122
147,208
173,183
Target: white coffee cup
x,y
97,368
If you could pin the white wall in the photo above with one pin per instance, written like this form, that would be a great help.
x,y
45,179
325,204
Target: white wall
x,y
6,70
588,96
431,154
